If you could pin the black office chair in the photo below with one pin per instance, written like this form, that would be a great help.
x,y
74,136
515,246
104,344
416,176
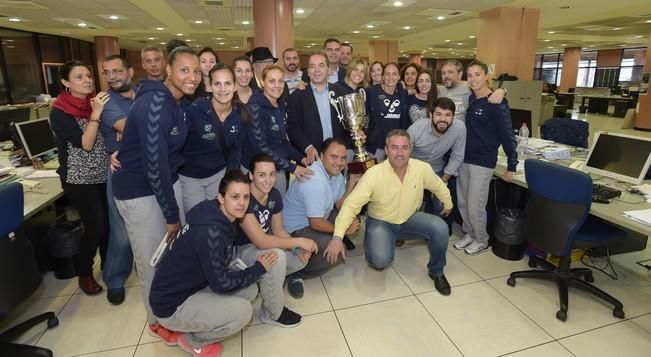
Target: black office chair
x,y
19,274
566,131
557,221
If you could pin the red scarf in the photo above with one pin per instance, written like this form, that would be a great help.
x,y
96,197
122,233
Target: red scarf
x,y
71,105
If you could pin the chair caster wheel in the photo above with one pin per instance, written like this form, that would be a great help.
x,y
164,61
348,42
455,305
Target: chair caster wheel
x,y
589,278
532,262
561,315
53,322
510,281
618,313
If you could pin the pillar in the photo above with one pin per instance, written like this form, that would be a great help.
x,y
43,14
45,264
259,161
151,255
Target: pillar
x,y
383,51
507,38
571,58
273,22
249,43
104,46
415,58
643,116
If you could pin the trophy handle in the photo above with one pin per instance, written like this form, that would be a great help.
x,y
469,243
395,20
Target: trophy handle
x,y
363,92
335,103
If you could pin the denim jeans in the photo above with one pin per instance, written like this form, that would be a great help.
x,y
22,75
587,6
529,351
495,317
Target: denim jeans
x,y
119,258
380,237
434,206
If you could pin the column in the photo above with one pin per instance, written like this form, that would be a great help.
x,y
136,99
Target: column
x,y
415,58
643,116
104,46
383,51
507,38
273,22
571,58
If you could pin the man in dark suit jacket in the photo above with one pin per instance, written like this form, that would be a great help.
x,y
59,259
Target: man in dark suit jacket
x,y
311,118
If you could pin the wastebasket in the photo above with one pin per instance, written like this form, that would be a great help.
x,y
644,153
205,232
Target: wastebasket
x,y
63,246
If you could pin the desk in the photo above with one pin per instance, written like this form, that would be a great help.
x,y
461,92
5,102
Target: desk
x,y
599,103
612,212
34,201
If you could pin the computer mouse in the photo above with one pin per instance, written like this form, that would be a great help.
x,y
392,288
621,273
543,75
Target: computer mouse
x,y
600,200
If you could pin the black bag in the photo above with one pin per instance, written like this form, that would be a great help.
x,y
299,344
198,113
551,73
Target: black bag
x,y
509,226
64,239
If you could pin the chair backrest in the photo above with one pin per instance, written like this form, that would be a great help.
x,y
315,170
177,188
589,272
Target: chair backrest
x,y
566,131
19,274
559,203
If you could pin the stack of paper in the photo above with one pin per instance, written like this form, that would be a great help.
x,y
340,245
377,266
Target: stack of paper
x,y
642,216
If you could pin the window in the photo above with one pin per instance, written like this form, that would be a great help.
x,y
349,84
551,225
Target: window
x,y
587,69
632,64
549,68
22,65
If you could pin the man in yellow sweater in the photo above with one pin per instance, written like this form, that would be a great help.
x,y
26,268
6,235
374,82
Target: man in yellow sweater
x,y
394,193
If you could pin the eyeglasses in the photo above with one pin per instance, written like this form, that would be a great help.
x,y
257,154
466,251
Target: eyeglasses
x,y
113,72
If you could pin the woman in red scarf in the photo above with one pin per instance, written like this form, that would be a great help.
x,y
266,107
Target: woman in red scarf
x,y
83,163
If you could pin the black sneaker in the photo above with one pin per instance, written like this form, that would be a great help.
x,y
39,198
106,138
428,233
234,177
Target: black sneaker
x,y
287,318
348,243
115,296
295,286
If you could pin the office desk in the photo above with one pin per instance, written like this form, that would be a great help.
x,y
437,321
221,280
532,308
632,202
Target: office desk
x,y
611,212
34,201
599,103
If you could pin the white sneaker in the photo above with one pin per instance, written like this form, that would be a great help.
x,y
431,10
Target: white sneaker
x,y
463,242
476,248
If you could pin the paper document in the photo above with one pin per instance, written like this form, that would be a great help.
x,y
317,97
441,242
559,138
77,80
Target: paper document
x,y
39,174
642,216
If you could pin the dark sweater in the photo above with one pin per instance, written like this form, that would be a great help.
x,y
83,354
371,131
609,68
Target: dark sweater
x,y
203,151
385,113
198,258
150,153
489,126
268,134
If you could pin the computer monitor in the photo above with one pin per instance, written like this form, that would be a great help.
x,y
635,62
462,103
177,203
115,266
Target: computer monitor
x,y
36,136
619,156
8,119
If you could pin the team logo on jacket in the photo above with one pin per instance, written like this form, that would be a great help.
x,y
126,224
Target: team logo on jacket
x,y
274,124
209,135
392,106
175,131
233,129
207,128
271,204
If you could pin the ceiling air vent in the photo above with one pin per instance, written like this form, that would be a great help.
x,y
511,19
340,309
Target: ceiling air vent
x,y
214,2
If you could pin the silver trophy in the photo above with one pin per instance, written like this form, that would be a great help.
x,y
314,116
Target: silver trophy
x,y
351,111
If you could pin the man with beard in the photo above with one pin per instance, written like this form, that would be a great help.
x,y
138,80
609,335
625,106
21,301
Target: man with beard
x,y
457,90
117,267
441,142
293,75
345,54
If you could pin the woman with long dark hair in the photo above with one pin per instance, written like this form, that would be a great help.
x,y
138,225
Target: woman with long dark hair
x,y
83,161
408,75
376,73
208,58
425,92
215,138
243,74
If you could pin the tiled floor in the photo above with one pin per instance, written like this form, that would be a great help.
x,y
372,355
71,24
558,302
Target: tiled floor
x,y
357,311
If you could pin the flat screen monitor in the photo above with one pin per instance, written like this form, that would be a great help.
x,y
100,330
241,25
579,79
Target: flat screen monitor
x,y
36,136
8,120
619,156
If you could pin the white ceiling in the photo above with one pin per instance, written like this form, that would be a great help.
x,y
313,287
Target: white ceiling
x,y
586,23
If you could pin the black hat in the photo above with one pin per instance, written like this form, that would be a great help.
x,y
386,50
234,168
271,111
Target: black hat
x,y
261,54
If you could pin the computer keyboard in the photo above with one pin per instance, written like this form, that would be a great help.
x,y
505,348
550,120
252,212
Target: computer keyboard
x,y
605,191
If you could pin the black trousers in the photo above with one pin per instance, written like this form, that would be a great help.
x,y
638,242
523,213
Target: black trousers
x,y
90,201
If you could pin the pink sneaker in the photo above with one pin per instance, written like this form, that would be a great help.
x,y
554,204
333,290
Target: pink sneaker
x,y
209,350
169,337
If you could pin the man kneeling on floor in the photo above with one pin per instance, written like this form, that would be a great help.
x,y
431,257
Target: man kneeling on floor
x,y
393,190
202,289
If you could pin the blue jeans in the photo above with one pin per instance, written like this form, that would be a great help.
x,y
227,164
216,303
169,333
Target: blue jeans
x,y
119,258
380,237
434,206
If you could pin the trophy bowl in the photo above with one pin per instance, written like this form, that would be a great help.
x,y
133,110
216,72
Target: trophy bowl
x,y
351,111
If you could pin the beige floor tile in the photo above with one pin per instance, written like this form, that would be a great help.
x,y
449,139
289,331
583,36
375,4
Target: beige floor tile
x,y
316,336
621,339
89,324
355,283
53,287
29,309
547,350
411,265
539,300
644,322
118,352
481,322
487,265
232,348
400,327
313,301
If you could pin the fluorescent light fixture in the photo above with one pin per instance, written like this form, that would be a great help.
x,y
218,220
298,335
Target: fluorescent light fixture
x,y
369,26
151,38
82,24
356,31
407,27
397,3
471,36
179,34
300,11
245,22
198,22
14,19
114,17
160,28
551,31
440,18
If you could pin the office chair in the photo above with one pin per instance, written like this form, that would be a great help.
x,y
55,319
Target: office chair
x,y
19,274
557,221
566,131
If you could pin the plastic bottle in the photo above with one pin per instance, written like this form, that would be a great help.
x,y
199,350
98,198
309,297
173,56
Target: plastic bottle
x,y
523,138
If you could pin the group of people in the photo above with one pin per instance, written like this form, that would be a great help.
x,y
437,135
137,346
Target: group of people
x,y
186,175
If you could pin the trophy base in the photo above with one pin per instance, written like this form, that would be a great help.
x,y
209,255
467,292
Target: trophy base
x,y
359,167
